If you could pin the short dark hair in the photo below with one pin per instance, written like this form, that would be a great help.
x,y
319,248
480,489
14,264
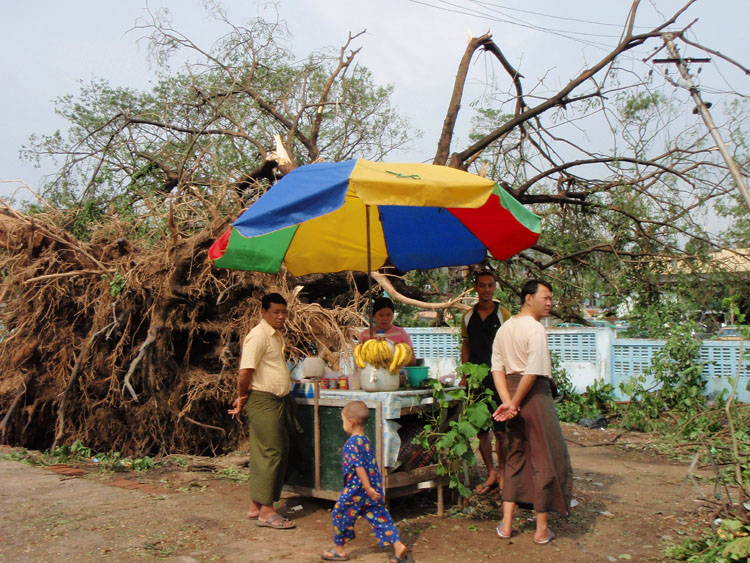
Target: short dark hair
x,y
531,287
382,303
269,298
479,273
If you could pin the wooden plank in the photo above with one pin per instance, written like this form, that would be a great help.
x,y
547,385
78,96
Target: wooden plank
x,y
426,407
397,492
403,478
314,493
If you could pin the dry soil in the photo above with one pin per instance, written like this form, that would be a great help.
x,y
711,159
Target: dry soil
x,y
630,504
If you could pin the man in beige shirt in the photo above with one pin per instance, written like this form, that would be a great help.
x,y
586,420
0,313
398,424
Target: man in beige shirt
x,y
263,384
537,470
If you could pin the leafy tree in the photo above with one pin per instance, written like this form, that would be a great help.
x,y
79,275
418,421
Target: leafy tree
x,y
212,124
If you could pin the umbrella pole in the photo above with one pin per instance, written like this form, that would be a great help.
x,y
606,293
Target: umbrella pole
x,y
316,436
369,274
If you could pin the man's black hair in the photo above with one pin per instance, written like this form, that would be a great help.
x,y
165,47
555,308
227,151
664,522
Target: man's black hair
x,y
531,287
269,298
479,273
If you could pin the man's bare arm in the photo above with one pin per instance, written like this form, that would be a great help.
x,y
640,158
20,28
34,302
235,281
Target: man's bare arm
x,y
501,384
524,386
244,380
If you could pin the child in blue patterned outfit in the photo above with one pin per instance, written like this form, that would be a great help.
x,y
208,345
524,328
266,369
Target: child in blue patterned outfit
x,y
363,490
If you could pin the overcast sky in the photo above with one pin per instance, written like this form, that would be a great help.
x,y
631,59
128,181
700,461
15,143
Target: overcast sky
x,y
49,45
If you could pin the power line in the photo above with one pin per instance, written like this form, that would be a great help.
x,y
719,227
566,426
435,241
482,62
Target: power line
x,y
459,9
553,16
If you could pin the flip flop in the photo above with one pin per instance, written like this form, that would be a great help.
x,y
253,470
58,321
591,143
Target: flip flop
x,y
335,556
284,523
483,488
549,539
501,535
397,559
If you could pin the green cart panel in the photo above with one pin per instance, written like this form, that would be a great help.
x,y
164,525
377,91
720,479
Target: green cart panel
x,y
332,440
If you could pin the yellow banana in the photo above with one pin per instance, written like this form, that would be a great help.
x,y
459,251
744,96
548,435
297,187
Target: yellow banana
x,y
402,356
407,353
375,353
385,354
394,361
394,365
367,351
358,356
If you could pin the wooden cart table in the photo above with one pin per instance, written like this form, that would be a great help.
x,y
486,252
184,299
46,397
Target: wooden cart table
x,y
324,438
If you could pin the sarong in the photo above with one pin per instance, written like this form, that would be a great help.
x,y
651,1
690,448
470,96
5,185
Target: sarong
x,y
273,432
538,473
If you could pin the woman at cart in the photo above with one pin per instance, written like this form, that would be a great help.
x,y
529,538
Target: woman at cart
x,y
383,311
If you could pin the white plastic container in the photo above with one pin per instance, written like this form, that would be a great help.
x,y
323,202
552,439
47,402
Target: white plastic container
x,y
377,379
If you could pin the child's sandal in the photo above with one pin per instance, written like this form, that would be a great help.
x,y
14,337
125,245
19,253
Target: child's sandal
x,y
335,557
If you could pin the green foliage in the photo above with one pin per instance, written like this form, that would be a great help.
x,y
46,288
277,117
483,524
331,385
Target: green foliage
x,y
675,373
436,284
233,474
142,464
88,214
112,461
117,284
21,455
127,154
74,452
597,400
453,438
730,542
641,102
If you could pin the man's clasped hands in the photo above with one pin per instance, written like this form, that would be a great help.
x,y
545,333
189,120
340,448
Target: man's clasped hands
x,y
506,411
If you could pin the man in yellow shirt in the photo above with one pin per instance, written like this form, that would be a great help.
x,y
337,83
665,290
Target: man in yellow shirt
x,y
263,384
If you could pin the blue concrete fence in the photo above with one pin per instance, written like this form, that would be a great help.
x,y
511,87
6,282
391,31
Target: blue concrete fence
x,y
590,354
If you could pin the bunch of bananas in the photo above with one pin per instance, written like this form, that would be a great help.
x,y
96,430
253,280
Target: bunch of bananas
x,y
377,352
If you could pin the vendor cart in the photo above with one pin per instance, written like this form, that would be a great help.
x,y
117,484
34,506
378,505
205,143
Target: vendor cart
x,y
391,412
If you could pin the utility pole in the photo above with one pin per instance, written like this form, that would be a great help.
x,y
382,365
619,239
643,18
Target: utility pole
x,y
734,170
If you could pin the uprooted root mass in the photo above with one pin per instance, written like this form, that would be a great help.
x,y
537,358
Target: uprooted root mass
x,y
134,348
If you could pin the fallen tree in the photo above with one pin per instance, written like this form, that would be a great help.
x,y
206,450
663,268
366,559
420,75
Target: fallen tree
x,y
117,330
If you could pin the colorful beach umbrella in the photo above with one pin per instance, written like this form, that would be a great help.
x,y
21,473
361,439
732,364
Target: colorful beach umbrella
x,y
357,214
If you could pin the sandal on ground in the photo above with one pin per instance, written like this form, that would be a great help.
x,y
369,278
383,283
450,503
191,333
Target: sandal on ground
x,y
283,523
335,557
397,559
549,539
484,488
501,535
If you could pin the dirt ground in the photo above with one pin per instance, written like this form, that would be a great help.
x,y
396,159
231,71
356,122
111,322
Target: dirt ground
x,y
630,504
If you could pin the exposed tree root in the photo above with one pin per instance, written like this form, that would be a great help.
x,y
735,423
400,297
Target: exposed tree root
x,y
119,342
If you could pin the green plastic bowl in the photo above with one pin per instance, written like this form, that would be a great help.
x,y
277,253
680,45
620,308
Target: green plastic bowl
x,y
417,374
